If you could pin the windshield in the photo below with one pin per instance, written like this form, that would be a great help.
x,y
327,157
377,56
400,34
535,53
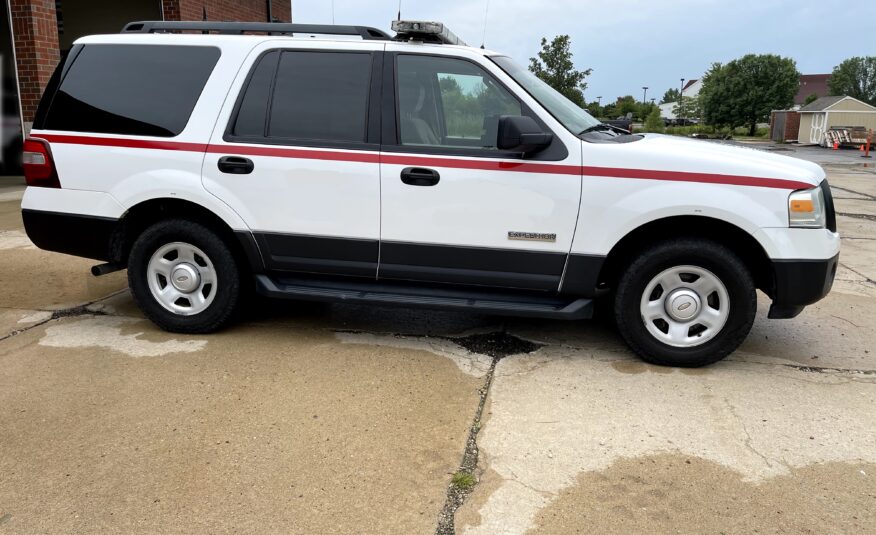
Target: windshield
x,y
575,119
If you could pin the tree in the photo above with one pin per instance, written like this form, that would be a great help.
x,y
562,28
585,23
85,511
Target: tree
x,y
810,99
594,109
744,91
554,65
855,77
688,108
627,104
671,95
654,123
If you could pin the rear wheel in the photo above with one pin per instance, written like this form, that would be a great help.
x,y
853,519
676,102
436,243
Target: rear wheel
x,y
184,277
685,302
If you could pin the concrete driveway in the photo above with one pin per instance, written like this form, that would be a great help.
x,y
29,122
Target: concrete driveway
x,y
341,419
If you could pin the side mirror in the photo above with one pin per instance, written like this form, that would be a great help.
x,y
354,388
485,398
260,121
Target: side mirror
x,y
521,134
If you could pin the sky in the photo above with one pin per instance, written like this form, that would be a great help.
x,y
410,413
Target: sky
x,y
634,43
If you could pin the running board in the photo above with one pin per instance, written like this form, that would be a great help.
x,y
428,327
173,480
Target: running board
x,y
487,301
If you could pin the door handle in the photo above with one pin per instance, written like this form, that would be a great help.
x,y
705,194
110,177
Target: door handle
x,y
236,165
420,176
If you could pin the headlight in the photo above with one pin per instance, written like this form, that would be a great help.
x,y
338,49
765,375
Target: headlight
x,y
806,209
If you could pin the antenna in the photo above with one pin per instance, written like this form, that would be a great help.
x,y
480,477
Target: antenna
x,y
484,36
333,11
399,10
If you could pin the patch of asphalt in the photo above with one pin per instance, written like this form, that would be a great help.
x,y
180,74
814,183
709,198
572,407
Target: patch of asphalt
x,y
496,345
79,310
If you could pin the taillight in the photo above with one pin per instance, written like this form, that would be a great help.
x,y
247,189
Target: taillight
x,y
39,168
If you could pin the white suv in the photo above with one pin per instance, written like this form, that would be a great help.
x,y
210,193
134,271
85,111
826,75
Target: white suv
x,y
338,163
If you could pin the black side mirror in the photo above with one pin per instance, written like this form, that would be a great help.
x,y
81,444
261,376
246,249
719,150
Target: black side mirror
x,y
521,134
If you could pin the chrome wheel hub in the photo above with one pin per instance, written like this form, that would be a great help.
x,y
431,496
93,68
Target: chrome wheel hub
x,y
182,278
682,305
185,278
685,306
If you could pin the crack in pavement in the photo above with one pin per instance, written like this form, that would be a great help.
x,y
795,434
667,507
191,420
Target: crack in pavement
x,y
496,345
858,273
862,194
867,217
78,310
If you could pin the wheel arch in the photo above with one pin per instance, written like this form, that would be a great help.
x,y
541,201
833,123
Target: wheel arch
x,y
141,216
742,243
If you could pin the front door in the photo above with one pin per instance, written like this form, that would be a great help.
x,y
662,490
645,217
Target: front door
x,y
454,208
297,158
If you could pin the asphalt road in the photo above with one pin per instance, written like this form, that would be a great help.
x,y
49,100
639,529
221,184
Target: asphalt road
x,y
310,418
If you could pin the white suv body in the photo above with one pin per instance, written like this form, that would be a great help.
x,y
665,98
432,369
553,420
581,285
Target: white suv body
x,y
370,170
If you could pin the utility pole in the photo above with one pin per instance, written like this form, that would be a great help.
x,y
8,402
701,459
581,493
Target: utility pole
x,y
680,99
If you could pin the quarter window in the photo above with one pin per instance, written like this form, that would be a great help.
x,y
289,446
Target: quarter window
x,y
446,102
145,90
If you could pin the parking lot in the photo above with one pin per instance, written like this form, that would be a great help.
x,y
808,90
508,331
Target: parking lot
x,y
312,418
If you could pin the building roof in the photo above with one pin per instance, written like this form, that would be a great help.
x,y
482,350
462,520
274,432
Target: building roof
x,y
688,84
825,103
809,84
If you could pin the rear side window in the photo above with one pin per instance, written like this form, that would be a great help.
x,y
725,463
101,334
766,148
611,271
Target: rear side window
x,y
142,90
307,96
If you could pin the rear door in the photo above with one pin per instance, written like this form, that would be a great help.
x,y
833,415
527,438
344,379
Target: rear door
x,y
295,154
455,209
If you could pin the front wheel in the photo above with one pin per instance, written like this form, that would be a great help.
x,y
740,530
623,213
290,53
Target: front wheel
x,y
184,277
685,302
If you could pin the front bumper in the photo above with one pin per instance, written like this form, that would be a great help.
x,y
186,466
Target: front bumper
x,y
798,283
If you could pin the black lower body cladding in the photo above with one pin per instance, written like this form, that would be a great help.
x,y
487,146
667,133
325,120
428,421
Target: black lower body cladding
x,y
799,283
73,234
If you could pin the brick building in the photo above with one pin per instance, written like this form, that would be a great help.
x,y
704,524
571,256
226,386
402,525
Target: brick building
x,y
42,29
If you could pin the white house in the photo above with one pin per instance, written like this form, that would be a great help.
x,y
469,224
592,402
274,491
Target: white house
x,y
691,89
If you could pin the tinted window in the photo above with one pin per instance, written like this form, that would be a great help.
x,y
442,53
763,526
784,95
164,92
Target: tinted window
x,y
252,116
321,96
447,102
146,90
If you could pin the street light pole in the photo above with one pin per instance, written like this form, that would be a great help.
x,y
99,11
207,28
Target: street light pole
x,y
599,101
680,97
644,94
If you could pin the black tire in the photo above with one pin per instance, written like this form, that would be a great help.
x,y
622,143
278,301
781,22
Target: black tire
x,y
717,259
228,293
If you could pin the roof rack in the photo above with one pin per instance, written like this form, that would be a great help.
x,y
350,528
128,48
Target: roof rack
x,y
240,28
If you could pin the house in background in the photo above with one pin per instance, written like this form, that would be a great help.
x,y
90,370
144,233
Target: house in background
x,y
42,30
691,90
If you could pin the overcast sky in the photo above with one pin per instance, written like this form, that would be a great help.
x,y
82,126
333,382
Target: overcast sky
x,y
635,43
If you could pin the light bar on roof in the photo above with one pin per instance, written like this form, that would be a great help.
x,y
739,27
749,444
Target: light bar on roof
x,y
427,31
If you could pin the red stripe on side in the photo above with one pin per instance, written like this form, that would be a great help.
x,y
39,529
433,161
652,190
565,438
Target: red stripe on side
x,y
304,154
481,165
125,143
427,161
683,176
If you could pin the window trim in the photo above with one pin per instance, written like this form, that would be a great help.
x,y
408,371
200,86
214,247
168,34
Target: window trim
x,y
372,112
391,136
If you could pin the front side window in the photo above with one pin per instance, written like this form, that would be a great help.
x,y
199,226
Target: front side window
x,y
141,90
445,102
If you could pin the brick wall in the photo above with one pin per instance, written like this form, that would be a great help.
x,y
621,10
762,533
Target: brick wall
x,y
228,10
35,27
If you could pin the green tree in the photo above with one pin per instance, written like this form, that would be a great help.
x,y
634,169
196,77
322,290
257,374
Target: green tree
x,y
554,65
745,90
594,109
654,123
688,108
671,95
855,77
627,104
810,99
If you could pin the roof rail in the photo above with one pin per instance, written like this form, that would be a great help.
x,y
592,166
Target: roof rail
x,y
240,28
